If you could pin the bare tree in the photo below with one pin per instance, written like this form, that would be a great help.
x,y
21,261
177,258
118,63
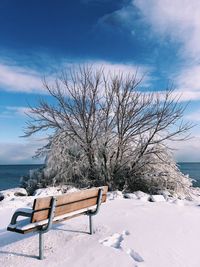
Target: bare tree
x,y
114,125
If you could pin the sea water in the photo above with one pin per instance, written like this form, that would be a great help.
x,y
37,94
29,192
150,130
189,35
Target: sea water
x,y
10,174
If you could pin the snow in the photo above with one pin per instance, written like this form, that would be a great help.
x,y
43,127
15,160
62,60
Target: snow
x,y
128,232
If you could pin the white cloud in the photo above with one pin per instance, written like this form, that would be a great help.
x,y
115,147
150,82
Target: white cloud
x,y
185,95
121,18
187,151
141,71
188,82
177,20
189,78
19,79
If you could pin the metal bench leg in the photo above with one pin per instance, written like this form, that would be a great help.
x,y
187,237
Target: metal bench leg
x,y
94,212
46,228
90,223
41,246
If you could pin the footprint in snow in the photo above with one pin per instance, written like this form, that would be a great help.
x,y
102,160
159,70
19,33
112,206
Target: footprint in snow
x,y
125,232
113,241
134,255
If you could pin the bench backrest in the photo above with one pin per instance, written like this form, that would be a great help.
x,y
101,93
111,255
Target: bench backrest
x,y
67,203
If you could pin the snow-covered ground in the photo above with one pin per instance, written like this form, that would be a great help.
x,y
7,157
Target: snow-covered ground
x,y
128,232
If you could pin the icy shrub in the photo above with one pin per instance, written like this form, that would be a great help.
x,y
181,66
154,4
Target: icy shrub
x,y
67,164
108,131
160,173
34,180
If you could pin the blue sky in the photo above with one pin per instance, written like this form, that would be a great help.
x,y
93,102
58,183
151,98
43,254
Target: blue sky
x,y
38,38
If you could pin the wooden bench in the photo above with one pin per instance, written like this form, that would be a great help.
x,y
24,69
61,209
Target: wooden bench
x,y
54,209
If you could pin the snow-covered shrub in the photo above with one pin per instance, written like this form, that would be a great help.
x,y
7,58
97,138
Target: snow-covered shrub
x,y
66,164
158,172
108,131
34,180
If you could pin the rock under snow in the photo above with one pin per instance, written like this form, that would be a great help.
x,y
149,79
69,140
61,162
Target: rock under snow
x,y
58,190
166,194
114,194
1,196
178,202
47,191
157,198
142,196
13,192
130,196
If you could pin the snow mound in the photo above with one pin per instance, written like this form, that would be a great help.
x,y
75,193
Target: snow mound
x,y
130,196
166,194
178,202
157,198
142,196
114,194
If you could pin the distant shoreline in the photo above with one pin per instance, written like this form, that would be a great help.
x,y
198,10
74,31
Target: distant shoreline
x,y
26,164
36,164
10,174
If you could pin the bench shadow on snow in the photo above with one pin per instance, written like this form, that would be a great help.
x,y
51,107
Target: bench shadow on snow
x,y
18,254
71,230
8,238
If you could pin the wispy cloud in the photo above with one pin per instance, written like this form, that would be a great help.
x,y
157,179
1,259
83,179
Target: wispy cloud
x,y
185,96
13,111
121,18
176,20
9,152
188,150
20,79
188,82
141,71
194,116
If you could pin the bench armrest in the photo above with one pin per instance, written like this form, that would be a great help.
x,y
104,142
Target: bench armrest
x,y
46,228
21,212
99,198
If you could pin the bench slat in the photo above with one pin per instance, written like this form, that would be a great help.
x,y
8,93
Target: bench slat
x,y
45,202
60,210
67,203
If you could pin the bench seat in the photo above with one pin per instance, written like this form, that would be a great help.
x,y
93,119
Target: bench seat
x,y
55,209
25,226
